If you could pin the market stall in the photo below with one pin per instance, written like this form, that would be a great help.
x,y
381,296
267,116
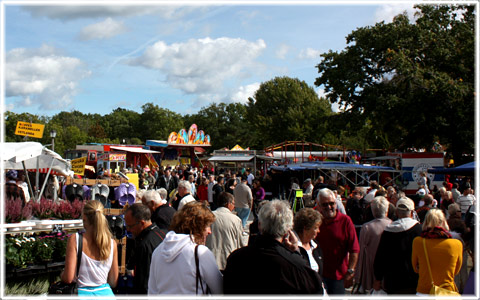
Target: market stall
x,y
34,157
36,232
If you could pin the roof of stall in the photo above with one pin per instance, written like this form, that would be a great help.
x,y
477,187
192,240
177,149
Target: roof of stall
x,y
331,165
467,169
133,149
35,156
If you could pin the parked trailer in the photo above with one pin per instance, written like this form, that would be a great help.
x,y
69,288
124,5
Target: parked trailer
x,y
413,163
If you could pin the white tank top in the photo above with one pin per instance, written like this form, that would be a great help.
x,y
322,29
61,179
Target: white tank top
x,y
94,272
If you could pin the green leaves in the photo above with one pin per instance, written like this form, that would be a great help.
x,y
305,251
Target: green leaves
x,y
286,109
411,79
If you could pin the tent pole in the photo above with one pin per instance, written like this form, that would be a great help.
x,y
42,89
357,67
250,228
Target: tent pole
x,y
28,180
45,181
37,178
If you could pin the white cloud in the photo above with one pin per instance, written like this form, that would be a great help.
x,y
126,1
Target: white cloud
x,y
8,107
309,53
388,11
201,66
73,12
102,30
282,51
244,92
42,77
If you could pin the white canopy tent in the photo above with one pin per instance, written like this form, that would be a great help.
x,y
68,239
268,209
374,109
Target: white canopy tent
x,y
34,156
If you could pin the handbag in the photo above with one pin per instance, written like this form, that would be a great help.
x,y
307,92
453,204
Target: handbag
x,y
62,288
439,290
199,277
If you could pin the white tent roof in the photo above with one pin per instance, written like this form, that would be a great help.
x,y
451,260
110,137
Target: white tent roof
x,y
18,152
13,154
133,149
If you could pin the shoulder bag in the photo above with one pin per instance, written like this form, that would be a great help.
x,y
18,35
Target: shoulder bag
x,y
62,288
199,277
438,290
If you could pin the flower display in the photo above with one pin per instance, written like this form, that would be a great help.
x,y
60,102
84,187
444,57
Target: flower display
x,y
15,212
45,209
23,250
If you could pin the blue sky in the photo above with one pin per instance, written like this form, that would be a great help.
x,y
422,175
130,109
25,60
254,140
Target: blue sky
x,y
96,58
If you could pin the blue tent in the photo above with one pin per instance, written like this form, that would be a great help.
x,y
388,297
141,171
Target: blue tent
x,y
330,165
467,169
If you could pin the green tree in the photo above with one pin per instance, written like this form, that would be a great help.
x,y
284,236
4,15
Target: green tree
x,y
122,124
157,122
71,137
225,123
73,118
413,81
286,109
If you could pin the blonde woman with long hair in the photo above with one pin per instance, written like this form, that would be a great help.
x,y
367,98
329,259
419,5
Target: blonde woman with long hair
x,y
444,254
98,270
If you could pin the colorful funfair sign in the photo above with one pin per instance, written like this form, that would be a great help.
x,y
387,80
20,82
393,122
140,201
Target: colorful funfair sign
x,y
192,137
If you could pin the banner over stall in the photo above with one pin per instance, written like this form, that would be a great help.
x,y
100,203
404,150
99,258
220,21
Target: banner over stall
x,y
193,137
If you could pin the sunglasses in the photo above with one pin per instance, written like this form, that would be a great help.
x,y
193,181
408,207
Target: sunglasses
x,y
327,204
130,226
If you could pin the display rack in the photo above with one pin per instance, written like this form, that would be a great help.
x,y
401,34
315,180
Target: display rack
x,y
89,182
33,226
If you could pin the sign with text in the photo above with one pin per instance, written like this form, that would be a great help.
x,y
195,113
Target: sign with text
x,y
78,165
117,156
30,129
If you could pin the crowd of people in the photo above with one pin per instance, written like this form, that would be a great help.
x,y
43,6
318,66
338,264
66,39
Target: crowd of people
x,y
347,236
194,235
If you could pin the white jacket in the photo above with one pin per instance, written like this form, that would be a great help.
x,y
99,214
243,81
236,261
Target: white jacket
x,y
173,270
226,235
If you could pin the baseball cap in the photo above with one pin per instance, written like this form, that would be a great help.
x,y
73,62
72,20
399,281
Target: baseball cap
x,y
405,204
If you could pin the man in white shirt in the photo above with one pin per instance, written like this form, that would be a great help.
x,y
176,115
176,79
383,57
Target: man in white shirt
x,y
250,177
193,190
465,201
184,193
211,183
371,194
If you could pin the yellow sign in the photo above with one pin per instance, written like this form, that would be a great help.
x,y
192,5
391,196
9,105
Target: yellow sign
x,y
298,193
78,165
30,129
117,156
133,179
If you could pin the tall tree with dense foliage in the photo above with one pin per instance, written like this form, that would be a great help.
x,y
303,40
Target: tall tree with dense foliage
x,y
157,123
225,123
287,109
122,124
414,81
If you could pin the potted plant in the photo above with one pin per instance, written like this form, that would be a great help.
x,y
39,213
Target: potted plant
x,y
60,246
12,257
45,209
43,249
67,210
15,211
27,250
